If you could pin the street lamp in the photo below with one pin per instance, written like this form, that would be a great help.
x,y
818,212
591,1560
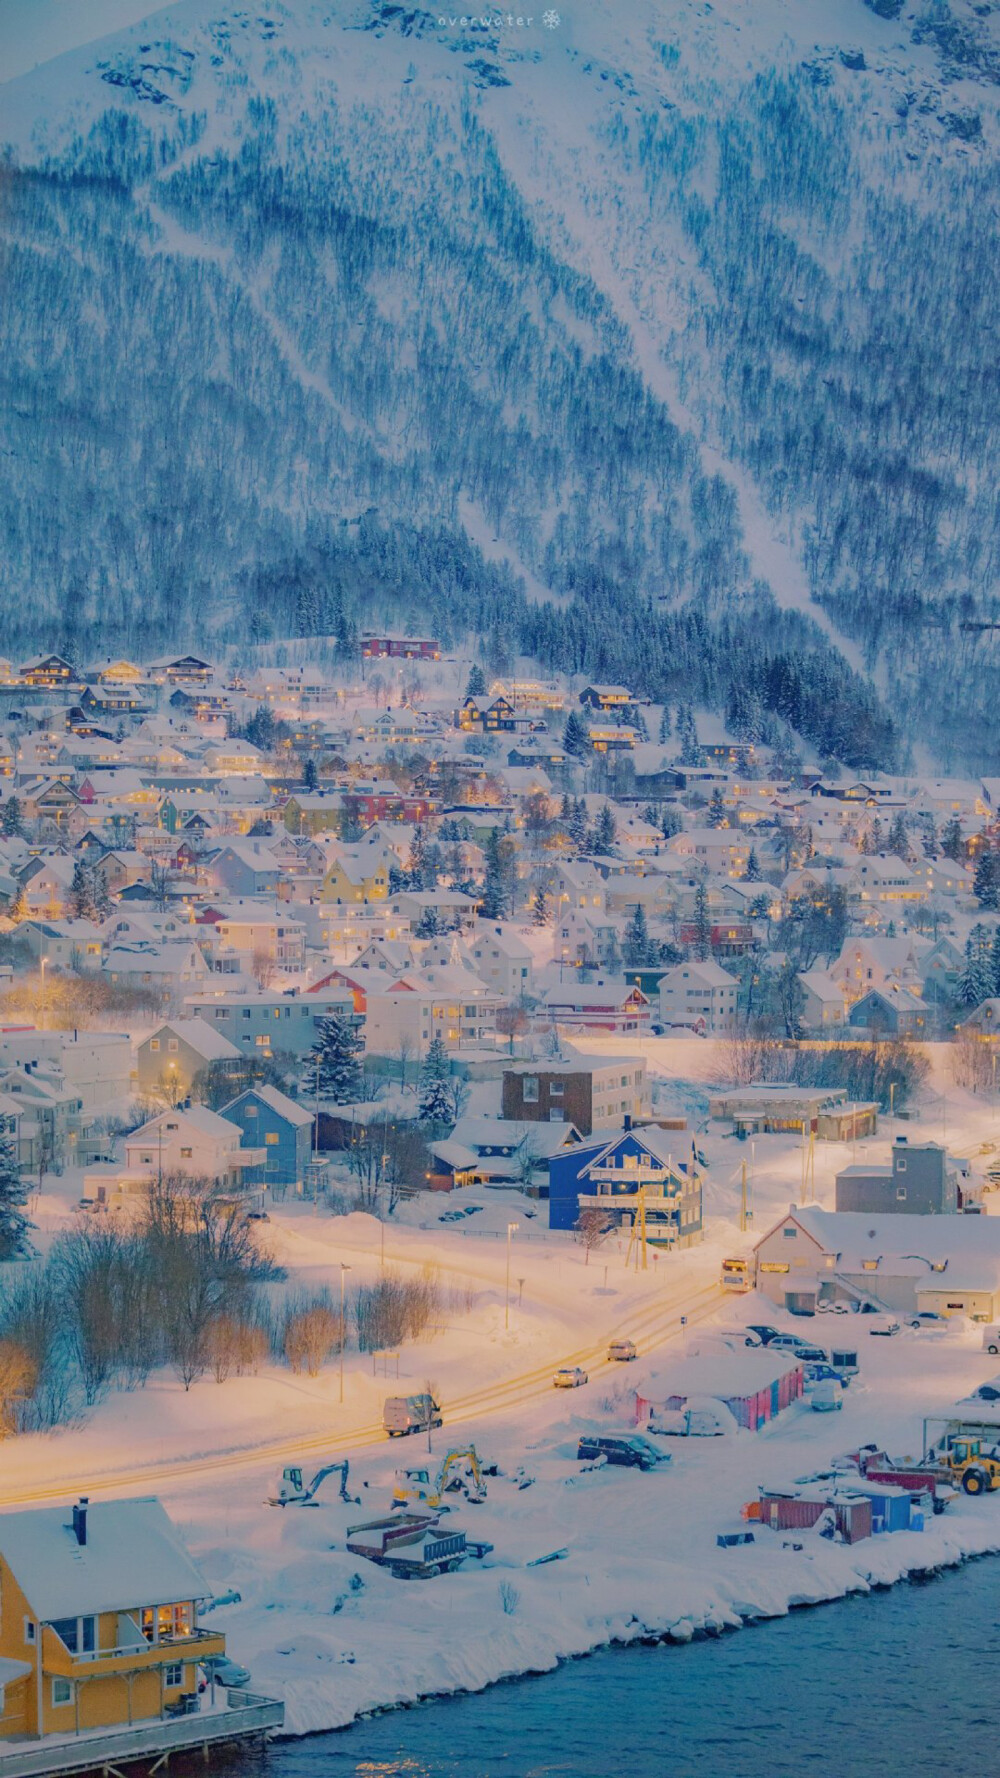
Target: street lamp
x,y
343,1328
512,1228
42,961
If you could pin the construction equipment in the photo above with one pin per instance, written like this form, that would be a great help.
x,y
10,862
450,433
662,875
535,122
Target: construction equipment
x,y
412,1547
294,1491
460,1473
973,1464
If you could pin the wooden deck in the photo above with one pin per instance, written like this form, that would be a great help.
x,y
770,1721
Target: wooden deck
x,y
149,1743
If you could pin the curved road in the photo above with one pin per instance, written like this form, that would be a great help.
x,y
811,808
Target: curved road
x,y
650,1327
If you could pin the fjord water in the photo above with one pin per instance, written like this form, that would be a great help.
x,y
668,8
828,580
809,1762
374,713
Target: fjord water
x,y
868,1687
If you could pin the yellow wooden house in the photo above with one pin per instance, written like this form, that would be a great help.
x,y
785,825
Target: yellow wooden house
x,y
98,1619
352,878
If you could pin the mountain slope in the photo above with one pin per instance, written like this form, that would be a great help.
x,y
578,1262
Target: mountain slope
x,y
679,314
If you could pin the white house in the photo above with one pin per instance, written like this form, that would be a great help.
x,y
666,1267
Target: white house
x,y
701,996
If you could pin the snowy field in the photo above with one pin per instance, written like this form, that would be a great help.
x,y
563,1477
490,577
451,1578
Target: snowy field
x,y
336,1636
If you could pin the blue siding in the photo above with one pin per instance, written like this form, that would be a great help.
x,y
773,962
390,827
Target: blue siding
x,y
564,1183
287,1157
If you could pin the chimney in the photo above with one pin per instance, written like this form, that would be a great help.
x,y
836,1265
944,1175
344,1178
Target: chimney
x,y
80,1520
628,1120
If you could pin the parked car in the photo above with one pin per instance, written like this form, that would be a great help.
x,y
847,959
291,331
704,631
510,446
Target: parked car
x,y
257,1216
885,1325
801,1348
570,1377
224,1671
989,1391
622,1351
764,1333
826,1397
634,1452
825,1308
702,1418
821,1373
991,1338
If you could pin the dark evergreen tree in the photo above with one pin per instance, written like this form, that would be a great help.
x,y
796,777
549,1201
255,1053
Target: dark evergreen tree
x,y
435,1104
995,965
975,984
12,819
498,882
752,872
81,894
14,1224
664,731
310,774
578,825
702,940
899,839
716,813
428,925
476,684
335,1065
987,880
539,908
605,831
952,843
576,736
636,946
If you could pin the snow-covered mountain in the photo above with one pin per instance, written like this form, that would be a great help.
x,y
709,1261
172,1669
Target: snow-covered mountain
x,y
658,339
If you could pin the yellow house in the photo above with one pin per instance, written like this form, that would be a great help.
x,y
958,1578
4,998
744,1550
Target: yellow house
x,y
98,1619
353,879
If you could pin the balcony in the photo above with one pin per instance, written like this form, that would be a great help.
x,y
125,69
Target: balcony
x,y
244,1715
131,1655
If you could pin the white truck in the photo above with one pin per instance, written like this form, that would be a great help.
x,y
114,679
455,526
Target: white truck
x,y
410,1413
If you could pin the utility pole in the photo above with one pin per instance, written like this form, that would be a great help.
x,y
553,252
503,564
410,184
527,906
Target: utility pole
x,y
343,1329
512,1228
743,1197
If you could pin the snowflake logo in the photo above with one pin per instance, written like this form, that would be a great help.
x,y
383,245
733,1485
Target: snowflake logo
x,y
551,20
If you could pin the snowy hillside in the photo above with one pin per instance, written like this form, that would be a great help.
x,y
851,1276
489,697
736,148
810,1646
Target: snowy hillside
x,y
678,312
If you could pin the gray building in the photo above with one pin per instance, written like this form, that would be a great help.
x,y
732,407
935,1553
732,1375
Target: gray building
x,y
918,1180
270,1021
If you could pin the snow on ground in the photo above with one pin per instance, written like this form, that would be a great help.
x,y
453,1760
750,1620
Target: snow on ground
x,y
334,1635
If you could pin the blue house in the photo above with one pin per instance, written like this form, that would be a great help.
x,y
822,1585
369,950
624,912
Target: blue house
x,y
271,1120
605,1175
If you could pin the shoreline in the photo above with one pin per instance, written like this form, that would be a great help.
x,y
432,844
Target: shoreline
x,y
858,1575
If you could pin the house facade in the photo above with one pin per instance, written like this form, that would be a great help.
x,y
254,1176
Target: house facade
x,y
99,1621
272,1121
607,1177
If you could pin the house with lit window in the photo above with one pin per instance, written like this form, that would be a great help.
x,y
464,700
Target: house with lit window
x,y
639,1174
270,1020
283,1129
98,1623
191,1142
170,1058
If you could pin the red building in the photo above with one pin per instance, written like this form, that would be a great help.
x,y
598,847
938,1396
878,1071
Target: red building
x,y
727,939
384,802
403,648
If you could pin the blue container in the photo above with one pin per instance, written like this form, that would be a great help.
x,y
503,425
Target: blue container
x,y
916,1520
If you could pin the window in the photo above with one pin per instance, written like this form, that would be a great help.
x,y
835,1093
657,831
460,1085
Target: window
x,y
154,1043
250,1110
556,1089
173,1675
531,1089
789,1233
186,1154
901,1193
271,1139
62,1693
30,1631
172,1045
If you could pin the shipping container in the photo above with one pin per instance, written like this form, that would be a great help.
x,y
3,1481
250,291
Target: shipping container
x,y
797,1512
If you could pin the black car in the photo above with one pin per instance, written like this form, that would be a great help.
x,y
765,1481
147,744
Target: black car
x,y
764,1334
630,1453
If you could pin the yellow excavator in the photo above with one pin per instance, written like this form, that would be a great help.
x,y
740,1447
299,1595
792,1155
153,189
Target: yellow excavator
x,y
460,1473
